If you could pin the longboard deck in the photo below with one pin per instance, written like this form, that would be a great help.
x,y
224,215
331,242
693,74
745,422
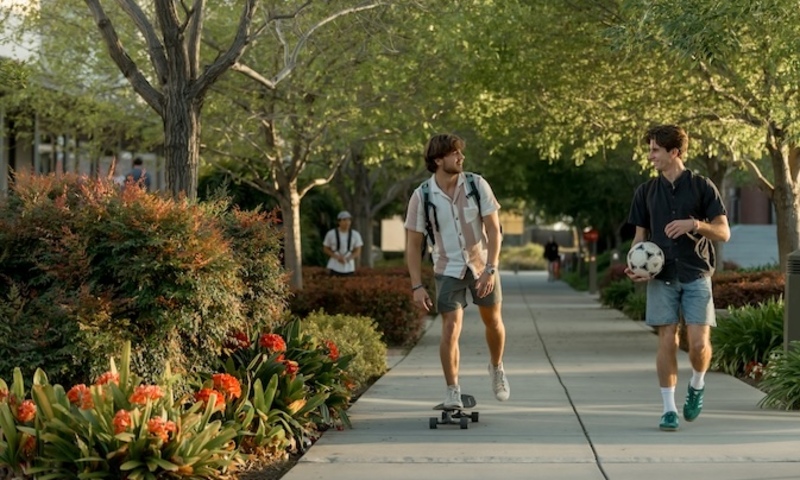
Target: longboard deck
x,y
456,416
467,400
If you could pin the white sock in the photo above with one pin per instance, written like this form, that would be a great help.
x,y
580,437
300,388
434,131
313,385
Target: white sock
x,y
668,397
698,380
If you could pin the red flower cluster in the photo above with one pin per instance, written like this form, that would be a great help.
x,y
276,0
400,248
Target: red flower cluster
x,y
108,377
28,446
291,367
237,340
160,428
122,420
227,384
205,394
26,411
333,350
272,342
81,395
754,370
143,393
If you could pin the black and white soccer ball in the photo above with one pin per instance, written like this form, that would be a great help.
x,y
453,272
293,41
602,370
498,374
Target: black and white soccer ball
x,y
646,259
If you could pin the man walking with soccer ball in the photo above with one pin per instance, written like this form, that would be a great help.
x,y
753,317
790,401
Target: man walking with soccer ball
x,y
682,213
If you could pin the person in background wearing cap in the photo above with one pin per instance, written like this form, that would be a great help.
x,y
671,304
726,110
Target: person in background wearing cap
x,y
343,246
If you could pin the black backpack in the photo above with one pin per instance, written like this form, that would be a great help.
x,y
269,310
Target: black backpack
x,y
349,240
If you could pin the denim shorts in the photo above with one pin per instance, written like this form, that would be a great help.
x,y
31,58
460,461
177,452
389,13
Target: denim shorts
x,y
667,300
452,292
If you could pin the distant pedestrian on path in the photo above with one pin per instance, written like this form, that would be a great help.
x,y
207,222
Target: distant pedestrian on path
x,y
682,213
343,245
457,213
138,175
553,259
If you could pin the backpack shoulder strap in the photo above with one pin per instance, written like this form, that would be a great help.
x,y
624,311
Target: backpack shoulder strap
x,y
425,187
474,192
696,179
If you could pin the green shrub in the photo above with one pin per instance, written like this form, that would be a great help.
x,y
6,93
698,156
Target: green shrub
x,y
742,288
635,305
356,336
781,379
386,298
575,280
747,334
524,257
255,241
87,267
616,293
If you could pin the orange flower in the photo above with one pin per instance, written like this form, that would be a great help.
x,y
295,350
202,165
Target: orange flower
x,y
160,428
81,396
272,342
143,393
26,411
3,395
122,420
205,394
291,367
237,340
107,377
227,384
28,445
333,350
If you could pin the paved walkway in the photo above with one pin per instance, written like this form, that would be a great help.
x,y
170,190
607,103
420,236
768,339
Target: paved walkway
x,y
584,404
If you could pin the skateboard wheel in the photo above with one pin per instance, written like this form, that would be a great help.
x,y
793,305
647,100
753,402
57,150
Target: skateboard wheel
x,y
433,423
464,423
475,417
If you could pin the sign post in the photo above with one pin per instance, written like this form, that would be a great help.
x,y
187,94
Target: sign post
x,y
590,236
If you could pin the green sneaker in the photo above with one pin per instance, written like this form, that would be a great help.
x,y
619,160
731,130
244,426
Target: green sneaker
x,y
694,404
669,422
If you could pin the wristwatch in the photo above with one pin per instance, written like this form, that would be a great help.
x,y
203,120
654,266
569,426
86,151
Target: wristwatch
x,y
490,269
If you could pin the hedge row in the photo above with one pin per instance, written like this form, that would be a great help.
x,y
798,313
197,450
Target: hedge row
x,y
381,294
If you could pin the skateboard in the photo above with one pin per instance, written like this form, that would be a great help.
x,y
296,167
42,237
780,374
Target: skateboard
x,y
456,416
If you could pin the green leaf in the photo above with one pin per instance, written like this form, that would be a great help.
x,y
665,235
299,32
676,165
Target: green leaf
x,y
130,465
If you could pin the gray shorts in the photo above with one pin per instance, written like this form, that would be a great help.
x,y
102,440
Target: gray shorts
x,y
667,300
451,293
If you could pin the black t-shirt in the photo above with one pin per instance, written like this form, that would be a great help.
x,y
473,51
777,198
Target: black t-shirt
x,y
551,251
658,202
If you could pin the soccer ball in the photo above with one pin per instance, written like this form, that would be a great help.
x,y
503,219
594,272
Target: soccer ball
x,y
645,259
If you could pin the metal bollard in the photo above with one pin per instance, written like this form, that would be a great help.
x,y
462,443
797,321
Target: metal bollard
x,y
791,300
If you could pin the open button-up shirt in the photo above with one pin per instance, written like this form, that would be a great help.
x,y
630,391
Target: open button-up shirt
x,y
460,241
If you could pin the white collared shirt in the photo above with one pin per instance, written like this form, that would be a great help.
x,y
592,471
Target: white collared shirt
x,y
460,241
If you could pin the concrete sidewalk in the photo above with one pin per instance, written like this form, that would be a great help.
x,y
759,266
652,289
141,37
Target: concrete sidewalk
x,y
584,404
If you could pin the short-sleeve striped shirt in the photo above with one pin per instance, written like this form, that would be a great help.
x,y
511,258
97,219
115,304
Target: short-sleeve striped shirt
x,y
460,241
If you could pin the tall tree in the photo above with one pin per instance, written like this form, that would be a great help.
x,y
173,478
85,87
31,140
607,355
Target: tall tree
x,y
746,55
286,140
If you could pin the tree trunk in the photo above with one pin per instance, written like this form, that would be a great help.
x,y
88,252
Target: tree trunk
x,y
365,229
181,144
292,248
786,199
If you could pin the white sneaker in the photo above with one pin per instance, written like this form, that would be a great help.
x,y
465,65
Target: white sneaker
x,y
453,397
502,390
